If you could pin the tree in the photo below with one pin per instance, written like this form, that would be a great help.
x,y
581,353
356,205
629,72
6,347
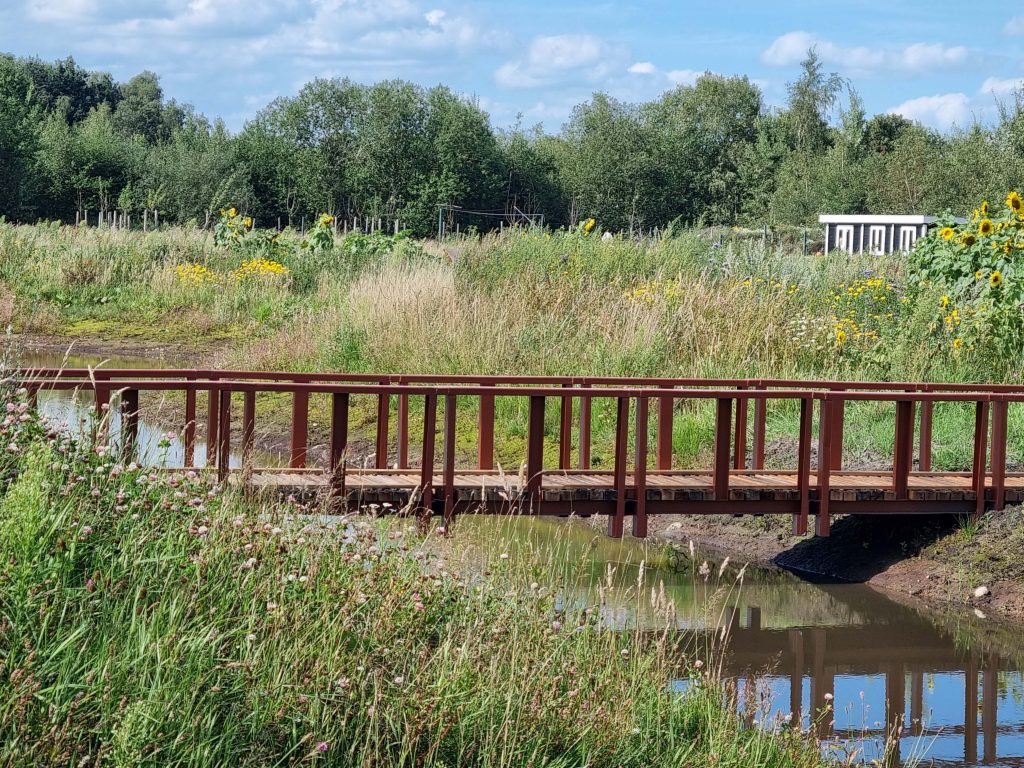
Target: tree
x,y
140,110
17,137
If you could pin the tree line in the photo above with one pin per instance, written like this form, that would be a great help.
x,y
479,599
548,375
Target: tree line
x,y
710,153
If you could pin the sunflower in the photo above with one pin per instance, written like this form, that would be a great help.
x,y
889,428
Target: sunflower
x,y
248,222
995,278
985,227
978,274
968,239
840,337
946,233
589,225
232,212
1014,202
984,208
958,343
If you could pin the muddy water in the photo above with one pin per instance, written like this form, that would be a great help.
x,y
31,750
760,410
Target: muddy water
x,y
951,683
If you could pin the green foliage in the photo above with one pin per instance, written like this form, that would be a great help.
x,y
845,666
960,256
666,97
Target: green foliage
x,y
320,237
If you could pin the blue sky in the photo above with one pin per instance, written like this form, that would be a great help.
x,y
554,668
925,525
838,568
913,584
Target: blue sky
x,y
943,63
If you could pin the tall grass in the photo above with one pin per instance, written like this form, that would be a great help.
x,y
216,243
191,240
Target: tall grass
x,y
150,619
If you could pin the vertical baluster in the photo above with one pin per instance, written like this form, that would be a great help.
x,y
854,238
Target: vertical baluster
x,y
129,423
616,522
448,466
189,433
924,462
339,442
666,405
903,448
300,429
584,439
723,419
383,416
760,424
740,437
998,452
248,429
212,424
427,463
838,417
980,459
803,471
224,436
403,431
565,431
485,433
535,453
826,423
640,470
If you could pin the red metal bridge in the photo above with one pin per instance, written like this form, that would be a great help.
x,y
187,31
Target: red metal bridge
x,y
427,474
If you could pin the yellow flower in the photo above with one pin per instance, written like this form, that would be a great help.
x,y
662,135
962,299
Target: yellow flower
x,y
589,225
945,301
248,221
978,274
958,343
968,239
985,227
946,233
995,278
840,337
1014,202
232,212
984,208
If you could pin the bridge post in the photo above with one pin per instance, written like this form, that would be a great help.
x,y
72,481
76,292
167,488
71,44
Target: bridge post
x,y
826,425
803,472
997,458
485,432
403,431
740,437
585,408
427,463
534,453
129,422
339,443
248,428
102,393
924,461
448,464
723,422
616,521
980,444
212,423
300,429
665,414
903,448
224,436
189,433
760,425
838,408
640,470
383,416
895,707
565,431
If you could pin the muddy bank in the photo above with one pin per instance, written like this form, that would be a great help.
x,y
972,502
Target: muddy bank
x,y
937,560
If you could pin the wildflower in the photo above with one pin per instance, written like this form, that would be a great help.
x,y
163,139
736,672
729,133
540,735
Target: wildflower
x,y
984,208
323,746
1014,202
829,697
995,278
985,227
958,343
978,274
840,337
232,212
248,221
946,233
945,301
589,225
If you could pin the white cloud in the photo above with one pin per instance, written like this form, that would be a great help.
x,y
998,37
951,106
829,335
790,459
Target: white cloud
x,y
684,76
1002,86
555,59
1015,26
59,10
942,111
791,49
643,68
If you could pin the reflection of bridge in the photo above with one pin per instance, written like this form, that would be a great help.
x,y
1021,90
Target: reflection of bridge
x,y
634,485
898,651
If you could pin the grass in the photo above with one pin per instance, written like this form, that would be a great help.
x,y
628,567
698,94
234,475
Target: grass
x,y
155,620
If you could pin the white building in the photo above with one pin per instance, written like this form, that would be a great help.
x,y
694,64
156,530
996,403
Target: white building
x,y
874,234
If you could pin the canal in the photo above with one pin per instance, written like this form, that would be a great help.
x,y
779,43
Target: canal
x,y
949,683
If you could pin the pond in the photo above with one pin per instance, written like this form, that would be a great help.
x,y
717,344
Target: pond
x,y
951,680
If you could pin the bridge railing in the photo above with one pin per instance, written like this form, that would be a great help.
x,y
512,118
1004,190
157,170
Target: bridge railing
x,y
630,493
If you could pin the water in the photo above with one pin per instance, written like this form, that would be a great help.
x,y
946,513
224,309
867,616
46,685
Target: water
x,y
791,643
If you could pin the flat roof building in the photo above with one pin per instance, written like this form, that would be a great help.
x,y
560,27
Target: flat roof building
x,y
874,234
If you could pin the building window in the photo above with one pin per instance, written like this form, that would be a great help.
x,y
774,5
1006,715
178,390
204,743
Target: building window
x,y
844,238
908,236
876,240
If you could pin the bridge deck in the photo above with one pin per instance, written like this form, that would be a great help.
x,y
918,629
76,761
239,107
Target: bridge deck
x,y
396,486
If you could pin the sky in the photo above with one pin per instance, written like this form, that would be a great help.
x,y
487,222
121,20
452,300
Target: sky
x,y
942,63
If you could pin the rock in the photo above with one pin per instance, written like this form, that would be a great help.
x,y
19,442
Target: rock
x,y
982,591
979,614
674,526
